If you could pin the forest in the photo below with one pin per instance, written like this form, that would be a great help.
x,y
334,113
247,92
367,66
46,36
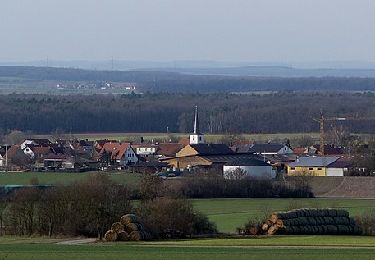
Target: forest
x,y
175,82
218,113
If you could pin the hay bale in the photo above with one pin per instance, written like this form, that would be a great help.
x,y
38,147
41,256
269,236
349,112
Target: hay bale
x,y
332,213
279,223
117,227
122,236
128,218
272,230
265,227
342,213
135,236
131,227
110,236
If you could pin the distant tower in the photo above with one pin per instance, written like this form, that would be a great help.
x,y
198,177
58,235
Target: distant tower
x,y
196,137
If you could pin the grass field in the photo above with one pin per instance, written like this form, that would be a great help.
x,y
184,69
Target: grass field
x,y
301,247
231,213
23,178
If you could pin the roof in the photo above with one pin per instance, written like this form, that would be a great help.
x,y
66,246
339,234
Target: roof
x,y
211,149
117,150
12,151
340,163
41,150
228,157
258,148
247,162
169,149
300,150
330,149
40,141
314,161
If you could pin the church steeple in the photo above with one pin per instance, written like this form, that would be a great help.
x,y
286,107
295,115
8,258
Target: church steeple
x,y
196,137
196,122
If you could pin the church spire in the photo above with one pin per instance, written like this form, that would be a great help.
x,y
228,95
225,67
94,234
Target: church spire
x,y
196,137
196,122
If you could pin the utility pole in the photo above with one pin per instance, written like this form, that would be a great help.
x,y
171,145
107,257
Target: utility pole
x,y
6,158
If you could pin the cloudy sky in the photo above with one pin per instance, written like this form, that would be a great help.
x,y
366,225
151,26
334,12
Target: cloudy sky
x,y
164,30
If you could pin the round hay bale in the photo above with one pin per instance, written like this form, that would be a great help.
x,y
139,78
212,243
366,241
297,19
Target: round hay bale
x,y
117,227
312,221
279,223
352,222
131,227
272,230
265,227
128,218
147,236
332,213
139,226
332,230
342,221
342,213
123,236
329,221
110,236
135,236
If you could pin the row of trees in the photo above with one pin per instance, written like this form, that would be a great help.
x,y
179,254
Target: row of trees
x,y
219,113
61,210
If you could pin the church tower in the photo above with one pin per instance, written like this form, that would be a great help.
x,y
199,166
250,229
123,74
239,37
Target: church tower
x,y
196,137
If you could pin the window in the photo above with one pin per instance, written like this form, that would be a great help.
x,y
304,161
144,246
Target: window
x,y
319,169
311,169
292,168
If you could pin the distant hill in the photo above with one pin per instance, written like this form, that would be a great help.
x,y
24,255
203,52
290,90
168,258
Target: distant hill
x,y
273,71
204,80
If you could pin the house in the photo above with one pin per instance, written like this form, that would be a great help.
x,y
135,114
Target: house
x,y
118,154
2,160
58,162
35,142
145,149
339,168
310,166
263,149
168,150
328,150
203,155
248,167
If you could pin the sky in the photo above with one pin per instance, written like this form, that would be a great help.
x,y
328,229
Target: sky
x,y
165,30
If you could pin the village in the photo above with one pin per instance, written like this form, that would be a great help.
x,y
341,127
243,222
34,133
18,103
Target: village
x,y
242,159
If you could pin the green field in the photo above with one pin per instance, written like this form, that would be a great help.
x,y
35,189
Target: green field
x,y
228,214
23,178
278,247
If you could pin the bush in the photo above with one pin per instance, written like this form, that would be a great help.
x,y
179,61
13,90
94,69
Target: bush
x,y
367,222
173,218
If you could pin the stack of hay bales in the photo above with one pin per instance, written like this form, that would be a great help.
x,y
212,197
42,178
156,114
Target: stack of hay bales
x,y
127,229
309,221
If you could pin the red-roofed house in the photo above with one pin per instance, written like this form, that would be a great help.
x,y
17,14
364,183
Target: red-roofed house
x,y
120,154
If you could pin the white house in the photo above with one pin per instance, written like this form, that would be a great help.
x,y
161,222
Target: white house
x,y
120,153
2,161
338,168
248,167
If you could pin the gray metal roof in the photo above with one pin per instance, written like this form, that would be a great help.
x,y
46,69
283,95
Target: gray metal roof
x,y
314,161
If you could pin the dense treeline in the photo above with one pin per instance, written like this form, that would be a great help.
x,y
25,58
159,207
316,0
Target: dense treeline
x,y
173,82
219,113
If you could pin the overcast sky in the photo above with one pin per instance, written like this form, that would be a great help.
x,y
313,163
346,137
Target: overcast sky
x,y
164,30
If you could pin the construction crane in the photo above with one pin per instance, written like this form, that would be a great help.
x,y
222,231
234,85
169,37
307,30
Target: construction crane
x,y
323,119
